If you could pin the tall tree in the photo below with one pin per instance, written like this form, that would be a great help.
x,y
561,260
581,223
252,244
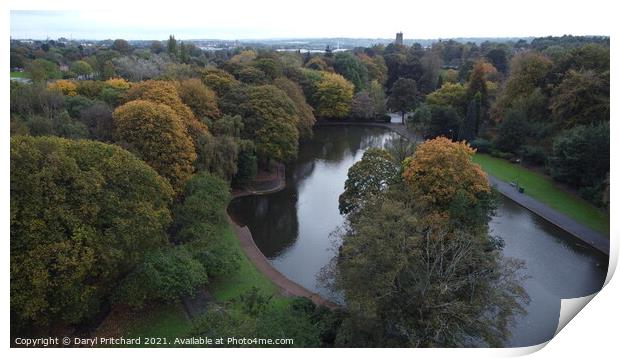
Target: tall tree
x,y
403,96
172,46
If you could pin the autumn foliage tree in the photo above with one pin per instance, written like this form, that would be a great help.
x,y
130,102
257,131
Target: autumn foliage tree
x,y
82,215
166,93
201,99
333,96
447,185
157,135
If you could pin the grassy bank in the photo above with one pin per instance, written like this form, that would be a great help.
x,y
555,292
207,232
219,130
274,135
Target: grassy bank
x,y
20,75
171,321
544,189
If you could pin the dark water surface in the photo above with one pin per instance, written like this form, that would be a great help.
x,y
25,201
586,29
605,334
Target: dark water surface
x,y
292,228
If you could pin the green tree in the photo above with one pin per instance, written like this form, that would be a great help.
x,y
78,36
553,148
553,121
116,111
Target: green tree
x,y
172,46
444,121
377,95
367,178
512,131
203,209
273,123
403,97
82,215
156,134
580,156
349,66
42,70
81,68
450,94
166,275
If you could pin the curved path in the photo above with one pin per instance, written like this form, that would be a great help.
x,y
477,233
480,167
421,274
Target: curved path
x,y
287,287
568,224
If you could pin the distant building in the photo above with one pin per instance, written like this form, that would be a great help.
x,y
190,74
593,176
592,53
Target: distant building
x,y
399,38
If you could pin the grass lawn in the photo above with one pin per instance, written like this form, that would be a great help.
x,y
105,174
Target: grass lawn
x,y
171,321
19,74
543,188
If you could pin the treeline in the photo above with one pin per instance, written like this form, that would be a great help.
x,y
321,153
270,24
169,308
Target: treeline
x,y
547,108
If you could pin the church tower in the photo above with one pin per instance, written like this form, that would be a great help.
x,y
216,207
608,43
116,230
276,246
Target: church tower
x,y
399,38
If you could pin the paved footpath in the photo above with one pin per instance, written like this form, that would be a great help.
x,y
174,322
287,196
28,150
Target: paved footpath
x,y
287,287
580,231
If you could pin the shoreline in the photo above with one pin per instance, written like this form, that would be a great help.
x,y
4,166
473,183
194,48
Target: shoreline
x,y
287,287
579,231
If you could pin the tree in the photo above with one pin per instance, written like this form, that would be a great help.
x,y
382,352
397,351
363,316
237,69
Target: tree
x,y
219,80
580,156
444,121
122,46
81,68
165,92
512,131
499,59
203,210
66,87
304,111
467,131
450,94
201,99
349,66
333,96
403,97
98,119
367,178
362,106
272,122
41,70
156,134
165,276
441,174
581,98
172,46
377,95
82,215
528,71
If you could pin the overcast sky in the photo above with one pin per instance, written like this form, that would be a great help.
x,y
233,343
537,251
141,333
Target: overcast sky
x,y
230,19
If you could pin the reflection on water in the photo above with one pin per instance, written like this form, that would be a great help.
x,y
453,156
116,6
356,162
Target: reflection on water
x,y
292,228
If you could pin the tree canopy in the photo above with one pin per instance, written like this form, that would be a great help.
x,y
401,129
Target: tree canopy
x,y
82,215
157,135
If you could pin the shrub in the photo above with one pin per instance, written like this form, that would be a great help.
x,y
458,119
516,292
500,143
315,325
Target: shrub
x,y
499,154
166,275
533,154
481,145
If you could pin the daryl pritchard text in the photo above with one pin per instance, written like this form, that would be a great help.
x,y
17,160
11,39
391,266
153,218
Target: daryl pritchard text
x,y
146,341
